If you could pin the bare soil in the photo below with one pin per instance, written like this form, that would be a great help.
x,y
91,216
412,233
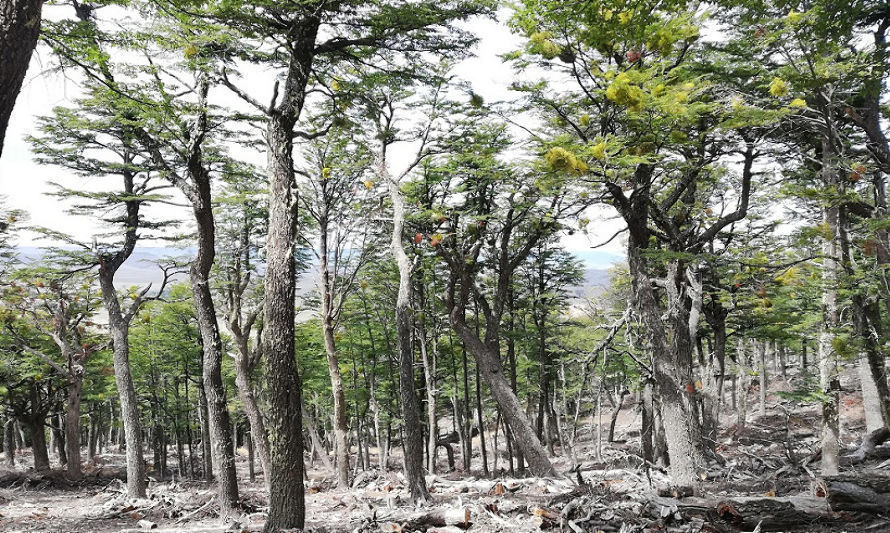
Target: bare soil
x,y
772,457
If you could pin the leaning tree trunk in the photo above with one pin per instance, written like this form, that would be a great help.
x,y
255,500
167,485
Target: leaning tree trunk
x,y
411,410
830,321
258,435
489,363
205,311
19,29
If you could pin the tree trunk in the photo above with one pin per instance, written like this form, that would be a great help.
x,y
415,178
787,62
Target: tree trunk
x,y
341,444
482,450
489,363
72,426
38,443
9,442
287,507
429,373
220,425
258,434
206,453
647,423
120,333
674,388
828,372
761,370
19,29
317,443
411,408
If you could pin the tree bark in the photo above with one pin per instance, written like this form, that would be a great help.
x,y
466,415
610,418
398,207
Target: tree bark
x,y
39,450
761,370
671,373
489,364
72,426
19,29
287,507
828,372
9,442
218,418
120,332
341,430
411,409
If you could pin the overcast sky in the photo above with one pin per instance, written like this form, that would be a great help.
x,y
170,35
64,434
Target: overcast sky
x,y
25,184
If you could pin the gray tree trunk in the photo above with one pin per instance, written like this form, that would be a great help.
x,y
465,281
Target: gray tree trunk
x,y
828,372
673,382
287,507
411,409
9,442
219,421
341,429
72,425
120,333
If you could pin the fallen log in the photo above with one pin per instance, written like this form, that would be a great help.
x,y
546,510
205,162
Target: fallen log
x,y
868,448
458,517
773,514
863,492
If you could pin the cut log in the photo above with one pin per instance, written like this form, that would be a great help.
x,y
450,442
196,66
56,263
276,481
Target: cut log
x,y
773,514
865,493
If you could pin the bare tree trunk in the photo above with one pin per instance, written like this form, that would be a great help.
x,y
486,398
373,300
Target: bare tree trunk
x,y
744,375
120,333
481,424
762,350
254,418
72,427
317,444
489,364
671,372
206,454
871,400
38,443
429,374
411,409
341,444
647,423
828,378
9,442
19,29
287,508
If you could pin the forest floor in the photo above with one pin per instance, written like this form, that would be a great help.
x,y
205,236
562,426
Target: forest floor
x,y
769,480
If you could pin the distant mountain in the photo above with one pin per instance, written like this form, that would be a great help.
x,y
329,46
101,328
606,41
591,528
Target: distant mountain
x,y
141,268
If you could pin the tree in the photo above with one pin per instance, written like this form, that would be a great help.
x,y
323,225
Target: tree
x,y
646,128
242,222
382,108
93,140
59,306
340,169
490,230
349,29
19,30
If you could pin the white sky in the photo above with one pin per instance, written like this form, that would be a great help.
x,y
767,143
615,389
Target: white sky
x,y
25,184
